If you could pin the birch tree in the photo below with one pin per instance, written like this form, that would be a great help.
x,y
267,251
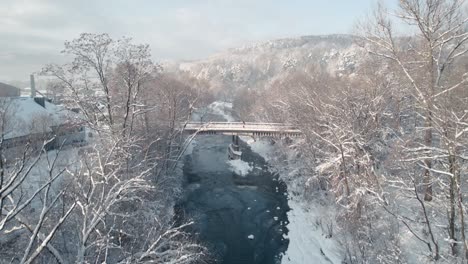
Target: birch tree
x,y
425,58
429,62
26,212
133,113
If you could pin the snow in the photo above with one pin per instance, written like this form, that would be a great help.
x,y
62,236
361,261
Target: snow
x,y
30,117
38,176
309,241
254,66
240,167
223,109
261,147
235,152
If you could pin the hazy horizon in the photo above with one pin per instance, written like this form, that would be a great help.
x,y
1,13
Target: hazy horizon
x,y
180,30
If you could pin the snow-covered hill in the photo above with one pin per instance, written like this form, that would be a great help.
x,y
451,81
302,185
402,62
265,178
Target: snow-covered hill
x,y
253,66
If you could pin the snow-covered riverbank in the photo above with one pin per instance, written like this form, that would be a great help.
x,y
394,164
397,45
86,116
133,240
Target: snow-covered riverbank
x,y
311,223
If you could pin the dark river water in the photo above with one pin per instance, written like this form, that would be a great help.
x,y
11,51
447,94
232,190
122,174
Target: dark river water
x,y
242,219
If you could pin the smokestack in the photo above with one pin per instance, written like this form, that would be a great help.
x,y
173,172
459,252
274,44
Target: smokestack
x,y
33,86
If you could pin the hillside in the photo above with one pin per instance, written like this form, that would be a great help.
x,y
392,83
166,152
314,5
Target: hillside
x,y
253,66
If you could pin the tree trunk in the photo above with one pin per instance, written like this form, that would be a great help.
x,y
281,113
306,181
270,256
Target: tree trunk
x,y
461,215
343,171
428,136
452,205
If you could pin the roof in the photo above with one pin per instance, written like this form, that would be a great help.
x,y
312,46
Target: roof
x,y
9,88
24,116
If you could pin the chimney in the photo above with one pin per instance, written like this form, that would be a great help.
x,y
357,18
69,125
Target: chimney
x,y
33,86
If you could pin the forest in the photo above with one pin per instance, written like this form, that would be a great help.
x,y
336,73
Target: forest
x,y
383,151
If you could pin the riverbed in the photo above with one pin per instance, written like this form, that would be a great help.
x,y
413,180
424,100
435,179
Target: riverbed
x,y
240,217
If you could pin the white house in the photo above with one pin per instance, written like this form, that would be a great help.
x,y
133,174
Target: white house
x,y
33,120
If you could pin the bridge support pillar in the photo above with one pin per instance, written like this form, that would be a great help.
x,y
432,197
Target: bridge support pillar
x,y
235,142
234,148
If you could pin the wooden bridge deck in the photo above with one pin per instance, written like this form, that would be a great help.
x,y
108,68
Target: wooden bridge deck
x,y
241,128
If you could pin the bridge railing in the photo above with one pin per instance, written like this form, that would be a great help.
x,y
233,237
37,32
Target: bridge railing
x,y
241,127
236,123
219,125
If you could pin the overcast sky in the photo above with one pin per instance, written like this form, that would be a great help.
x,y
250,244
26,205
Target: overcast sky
x,y
32,32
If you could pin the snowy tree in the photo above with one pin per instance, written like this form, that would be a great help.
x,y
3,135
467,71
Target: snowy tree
x,y
430,65
113,201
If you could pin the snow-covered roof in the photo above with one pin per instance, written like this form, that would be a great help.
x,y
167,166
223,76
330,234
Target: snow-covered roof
x,y
25,116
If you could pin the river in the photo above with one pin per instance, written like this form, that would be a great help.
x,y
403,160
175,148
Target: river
x,y
240,218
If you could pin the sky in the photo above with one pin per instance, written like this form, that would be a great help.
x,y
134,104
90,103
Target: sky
x,y
32,32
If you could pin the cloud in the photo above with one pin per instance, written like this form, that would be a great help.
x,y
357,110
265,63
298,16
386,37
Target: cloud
x,y
33,31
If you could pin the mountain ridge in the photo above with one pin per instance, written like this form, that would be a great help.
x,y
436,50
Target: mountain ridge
x,y
256,65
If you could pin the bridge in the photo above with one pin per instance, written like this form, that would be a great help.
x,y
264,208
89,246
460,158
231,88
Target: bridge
x,y
243,129
236,129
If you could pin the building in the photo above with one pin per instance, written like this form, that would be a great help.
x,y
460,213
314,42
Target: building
x,y
7,90
32,121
